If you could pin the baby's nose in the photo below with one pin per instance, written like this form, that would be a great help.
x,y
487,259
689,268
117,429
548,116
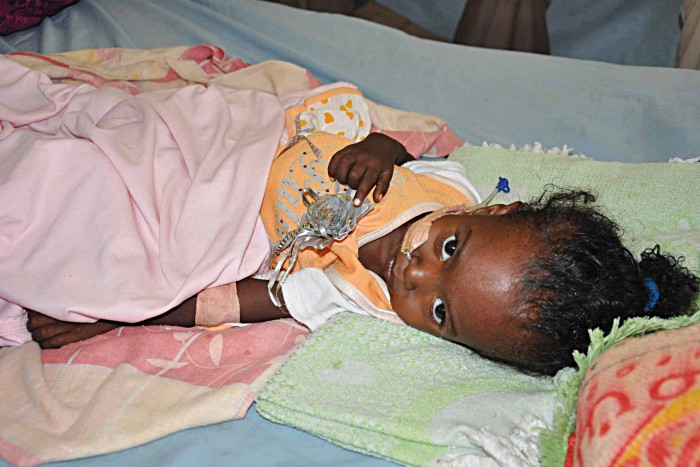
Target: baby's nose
x,y
417,272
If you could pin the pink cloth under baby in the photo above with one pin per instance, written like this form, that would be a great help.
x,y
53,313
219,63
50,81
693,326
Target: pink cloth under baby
x,y
115,206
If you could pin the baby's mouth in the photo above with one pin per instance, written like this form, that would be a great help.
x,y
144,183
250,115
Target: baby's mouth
x,y
390,269
390,272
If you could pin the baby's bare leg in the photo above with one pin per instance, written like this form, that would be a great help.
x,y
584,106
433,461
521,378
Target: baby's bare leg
x,y
51,333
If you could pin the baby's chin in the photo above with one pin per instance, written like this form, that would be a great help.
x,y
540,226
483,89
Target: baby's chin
x,y
401,315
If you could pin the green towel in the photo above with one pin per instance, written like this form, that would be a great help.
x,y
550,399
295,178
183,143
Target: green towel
x,y
394,392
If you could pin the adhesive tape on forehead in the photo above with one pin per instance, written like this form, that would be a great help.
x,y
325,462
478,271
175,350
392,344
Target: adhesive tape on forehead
x,y
417,234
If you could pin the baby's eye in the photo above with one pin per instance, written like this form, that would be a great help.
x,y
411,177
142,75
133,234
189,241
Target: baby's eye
x,y
448,248
437,311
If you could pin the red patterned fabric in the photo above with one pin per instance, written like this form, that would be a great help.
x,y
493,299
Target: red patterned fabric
x,y
131,386
639,404
17,15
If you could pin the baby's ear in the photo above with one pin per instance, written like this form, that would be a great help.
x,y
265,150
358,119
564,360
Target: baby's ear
x,y
498,209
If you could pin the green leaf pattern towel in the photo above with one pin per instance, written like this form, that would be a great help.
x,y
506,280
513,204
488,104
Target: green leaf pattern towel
x,y
398,393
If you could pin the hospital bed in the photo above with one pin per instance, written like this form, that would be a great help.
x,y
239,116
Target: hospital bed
x,y
605,111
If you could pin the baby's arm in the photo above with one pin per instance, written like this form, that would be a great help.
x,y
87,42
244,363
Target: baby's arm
x,y
368,164
254,300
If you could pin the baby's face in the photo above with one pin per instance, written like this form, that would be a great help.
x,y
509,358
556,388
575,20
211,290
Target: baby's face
x,y
463,283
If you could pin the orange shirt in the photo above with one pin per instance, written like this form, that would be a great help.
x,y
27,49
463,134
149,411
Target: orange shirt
x,y
409,195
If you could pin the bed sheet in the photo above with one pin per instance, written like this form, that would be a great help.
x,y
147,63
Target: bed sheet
x,y
609,112
643,32
251,441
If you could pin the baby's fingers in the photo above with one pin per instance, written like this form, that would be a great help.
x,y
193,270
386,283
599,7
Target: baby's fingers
x,y
36,320
372,179
382,184
64,338
338,162
366,184
58,341
343,171
47,332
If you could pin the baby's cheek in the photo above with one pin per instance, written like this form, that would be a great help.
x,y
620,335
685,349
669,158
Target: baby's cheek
x,y
408,314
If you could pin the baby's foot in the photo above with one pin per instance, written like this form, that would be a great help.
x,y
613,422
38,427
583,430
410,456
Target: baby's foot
x,y
51,333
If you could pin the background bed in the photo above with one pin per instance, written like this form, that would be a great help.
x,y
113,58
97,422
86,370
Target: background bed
x,y
608,112
605,111
644,32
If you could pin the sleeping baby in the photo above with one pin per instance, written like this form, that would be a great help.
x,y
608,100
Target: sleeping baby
x,y
414,244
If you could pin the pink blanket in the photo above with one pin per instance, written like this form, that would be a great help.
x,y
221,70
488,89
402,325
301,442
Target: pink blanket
x,y
131,386
164,190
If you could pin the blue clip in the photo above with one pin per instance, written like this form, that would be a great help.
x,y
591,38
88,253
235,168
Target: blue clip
x,y
503,185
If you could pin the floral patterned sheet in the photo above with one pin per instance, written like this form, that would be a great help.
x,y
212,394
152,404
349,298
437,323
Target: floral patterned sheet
x,y
131,386
22,14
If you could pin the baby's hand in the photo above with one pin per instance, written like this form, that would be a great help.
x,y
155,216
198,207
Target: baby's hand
x,y
51,333
368,164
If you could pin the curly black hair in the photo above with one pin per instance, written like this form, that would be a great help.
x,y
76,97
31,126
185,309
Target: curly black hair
x,y
582,277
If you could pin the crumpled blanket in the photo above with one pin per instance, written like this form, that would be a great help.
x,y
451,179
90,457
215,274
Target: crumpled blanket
x,y
137,71
131,386
120,207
